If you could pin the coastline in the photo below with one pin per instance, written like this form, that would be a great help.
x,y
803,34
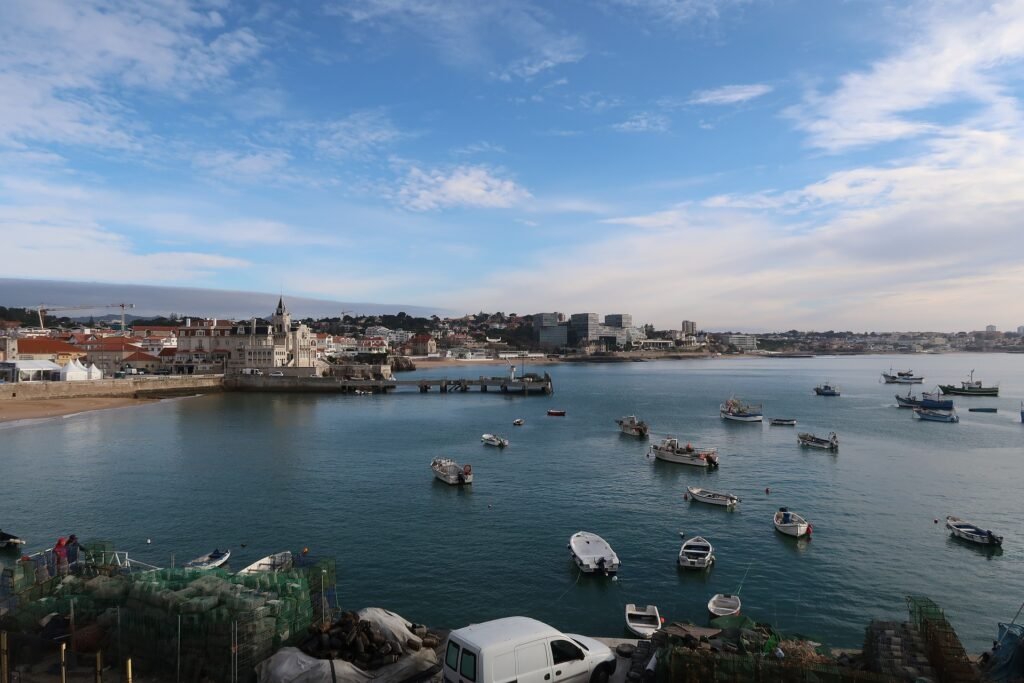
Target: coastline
x,y
15,411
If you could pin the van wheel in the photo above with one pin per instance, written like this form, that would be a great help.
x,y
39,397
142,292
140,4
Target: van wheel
x,y
600,675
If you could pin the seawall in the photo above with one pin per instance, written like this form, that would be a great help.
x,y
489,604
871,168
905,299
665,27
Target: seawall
x,y
134,387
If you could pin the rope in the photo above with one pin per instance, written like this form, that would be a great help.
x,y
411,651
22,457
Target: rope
x,y
744,577
579,573
1017,614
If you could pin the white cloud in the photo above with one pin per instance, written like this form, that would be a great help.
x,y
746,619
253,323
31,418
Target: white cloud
x,y
730,94
481,147
355,135
680,11
469,186
233,165
560,50
958,54
643,122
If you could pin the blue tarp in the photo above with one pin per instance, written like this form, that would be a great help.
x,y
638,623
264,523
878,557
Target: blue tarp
x,y
1007,661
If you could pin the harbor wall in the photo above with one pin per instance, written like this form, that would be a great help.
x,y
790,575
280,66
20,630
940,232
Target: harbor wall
x,y
134,387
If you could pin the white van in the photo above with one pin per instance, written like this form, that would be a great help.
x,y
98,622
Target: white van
x,y
251,371
524,650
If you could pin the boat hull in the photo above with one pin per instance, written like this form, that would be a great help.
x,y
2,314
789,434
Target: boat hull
x,y
451,473
712,497
592,554
694,459
958,391
643,622
972,533
782,422
741,417
930,416
791,524
724,605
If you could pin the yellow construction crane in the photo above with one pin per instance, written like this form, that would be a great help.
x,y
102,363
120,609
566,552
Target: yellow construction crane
x,y
42,310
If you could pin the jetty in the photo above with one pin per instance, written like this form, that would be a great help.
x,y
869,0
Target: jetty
x,y
525,385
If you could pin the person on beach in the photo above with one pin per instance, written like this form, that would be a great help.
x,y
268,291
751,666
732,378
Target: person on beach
x,y
60,557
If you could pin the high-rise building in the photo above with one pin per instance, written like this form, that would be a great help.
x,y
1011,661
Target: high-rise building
x,y
1020,330
990,328
618,320
689,327
553,336
546,320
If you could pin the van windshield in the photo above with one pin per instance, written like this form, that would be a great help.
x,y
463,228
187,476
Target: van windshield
x,y
581,645
468,668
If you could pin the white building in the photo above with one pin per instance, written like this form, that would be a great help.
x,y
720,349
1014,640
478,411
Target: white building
x,y
743,342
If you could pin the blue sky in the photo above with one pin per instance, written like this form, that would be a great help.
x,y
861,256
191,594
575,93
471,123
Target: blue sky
x,y
745,164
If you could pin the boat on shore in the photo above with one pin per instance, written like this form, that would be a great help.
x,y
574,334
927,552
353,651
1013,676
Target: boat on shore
x,y
791,524
902,377
782,422
632,426
712,497
970,532
809,440
592,554
449,471
10,540
494,440
736,410
969,387
278,562
642,621
826,389
724,605
556,413
211,560
696,553
670,450
936,415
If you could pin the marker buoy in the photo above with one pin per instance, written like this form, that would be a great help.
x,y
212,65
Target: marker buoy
x,y
935,521
767,490
148,541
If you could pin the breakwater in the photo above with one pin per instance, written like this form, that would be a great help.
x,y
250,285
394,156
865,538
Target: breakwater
x,y
135,387
525,386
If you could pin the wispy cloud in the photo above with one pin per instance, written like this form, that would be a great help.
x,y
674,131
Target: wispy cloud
x,y
561,50
233,165
355,135
481,147
676,12
730,94
461,186
643,122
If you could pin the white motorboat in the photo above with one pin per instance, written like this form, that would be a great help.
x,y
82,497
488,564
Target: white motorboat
x,y
712,497
278,562
632,426
10,540
670,450
592,554
791,523
642,621
724,605
211,560
696,553
902,377
494,440
811,441
738,411
450,472
518,422
969,532
936,415
782,422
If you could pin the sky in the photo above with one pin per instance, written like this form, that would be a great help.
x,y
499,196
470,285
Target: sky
x,y
745,164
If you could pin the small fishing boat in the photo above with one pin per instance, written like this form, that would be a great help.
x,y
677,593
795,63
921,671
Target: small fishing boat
x,y
449,471
969,532
631,426
642,621
782,422
932,401
670,450
518,422
211,560
983,410
10,540
724,605
494,440
556,413
969,387
736,410
278,562
902,377
791,523
811,441
696,553
712,497
826,389
936,415
592,554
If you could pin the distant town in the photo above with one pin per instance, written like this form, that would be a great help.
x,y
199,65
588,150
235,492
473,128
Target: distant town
x,y
36,345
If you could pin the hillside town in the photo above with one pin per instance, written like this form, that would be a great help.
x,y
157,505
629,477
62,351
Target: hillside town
x,y
375,346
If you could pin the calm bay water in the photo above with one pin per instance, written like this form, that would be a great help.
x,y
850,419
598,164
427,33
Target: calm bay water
x,y
349,477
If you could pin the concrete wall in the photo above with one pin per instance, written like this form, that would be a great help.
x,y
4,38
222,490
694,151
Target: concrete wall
x,y
130,387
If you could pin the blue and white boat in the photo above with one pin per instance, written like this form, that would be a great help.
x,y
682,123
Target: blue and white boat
x,y
936,415
736,410
969,532
826,389
210,560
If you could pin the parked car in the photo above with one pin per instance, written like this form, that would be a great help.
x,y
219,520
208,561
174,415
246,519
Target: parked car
x,y
162,371
277,373
524,650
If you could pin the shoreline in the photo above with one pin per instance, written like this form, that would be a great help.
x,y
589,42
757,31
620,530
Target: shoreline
x,y
16,413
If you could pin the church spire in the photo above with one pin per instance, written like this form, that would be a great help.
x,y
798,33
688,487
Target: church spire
x,y
280,306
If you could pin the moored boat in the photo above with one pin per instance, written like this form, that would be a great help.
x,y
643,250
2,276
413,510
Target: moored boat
x,y
632,426
936,415
494,440
518,422
970,532
969,387
930,400
10,540
782,422
983,410
712,497
670,450
449,471
556,413
278,562
642,621
210,560
724,605
736,410
791,523
696,553
902,377
592,554
826,389
811,441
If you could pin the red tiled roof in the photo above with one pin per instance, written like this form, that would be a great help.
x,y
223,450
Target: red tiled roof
x,y
43,345
143,357
168,352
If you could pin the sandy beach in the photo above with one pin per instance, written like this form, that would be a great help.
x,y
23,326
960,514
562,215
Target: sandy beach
x,y
34,410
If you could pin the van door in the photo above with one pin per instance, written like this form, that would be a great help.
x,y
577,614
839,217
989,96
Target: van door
x,y
533,663
568,661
